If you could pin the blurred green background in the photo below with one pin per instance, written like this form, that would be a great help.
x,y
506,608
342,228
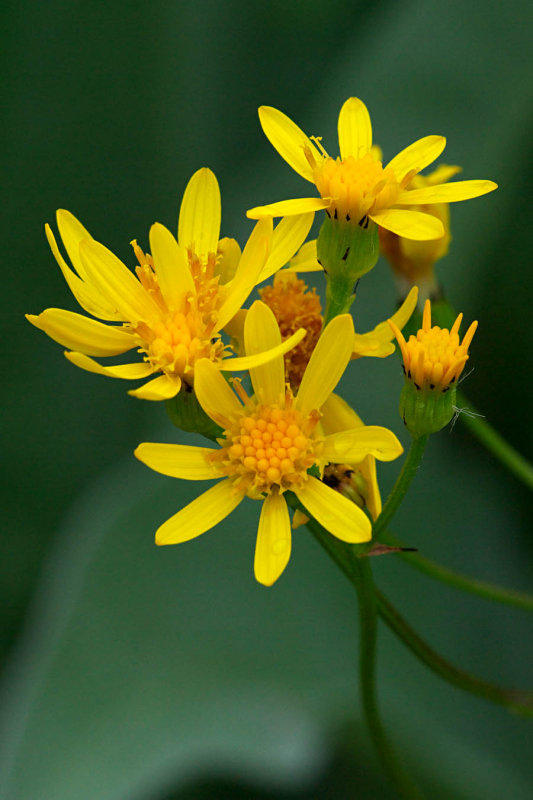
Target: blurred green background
x,y
138,673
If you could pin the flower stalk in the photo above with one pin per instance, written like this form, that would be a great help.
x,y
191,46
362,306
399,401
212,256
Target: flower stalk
x,y
399,490
465,583
358,571
346,250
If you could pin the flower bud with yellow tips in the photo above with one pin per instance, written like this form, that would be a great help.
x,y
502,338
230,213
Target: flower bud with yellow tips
x,y
433,360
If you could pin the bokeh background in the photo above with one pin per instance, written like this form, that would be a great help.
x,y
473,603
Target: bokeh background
x,y
137,673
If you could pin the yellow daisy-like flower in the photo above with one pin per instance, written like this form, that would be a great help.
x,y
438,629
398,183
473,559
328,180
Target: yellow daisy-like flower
x,y
271,440
412,262
356,186
181,298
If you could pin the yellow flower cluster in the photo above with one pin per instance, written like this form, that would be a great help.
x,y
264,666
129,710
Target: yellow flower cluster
x,y
283,437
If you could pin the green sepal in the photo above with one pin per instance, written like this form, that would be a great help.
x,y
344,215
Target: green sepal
x,y
346,251
425,410
186,413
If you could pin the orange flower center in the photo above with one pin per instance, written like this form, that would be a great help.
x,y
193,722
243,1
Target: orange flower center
x,y
294,307
179,337
268,448
356,186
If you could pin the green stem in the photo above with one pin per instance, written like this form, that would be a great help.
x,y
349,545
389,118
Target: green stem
x,y
366,593
347,557
359,573
339,303
495,443
516,700
409,468
459,581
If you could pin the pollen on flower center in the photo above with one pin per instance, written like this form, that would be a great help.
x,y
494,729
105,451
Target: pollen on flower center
x,y
357,186
175,341
294,307
268,448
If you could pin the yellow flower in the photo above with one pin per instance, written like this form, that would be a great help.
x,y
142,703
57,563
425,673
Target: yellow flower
x,y
411,261
271,440
433,361
182,296
356,186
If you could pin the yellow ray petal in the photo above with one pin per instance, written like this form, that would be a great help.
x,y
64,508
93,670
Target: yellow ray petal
x,y
72,232
235,330
335,512
370,346
337,415
251,361
130,372
351,447
200,212
288,236
289,140
214,394
288,208
89,298
305,259
81,333
261,332
377,342
273,545
446,192
115,281
417,156
171,266
410,224
161,388
373,499
177,460
229,254
442,174
355,129
327,363
250,267
199,516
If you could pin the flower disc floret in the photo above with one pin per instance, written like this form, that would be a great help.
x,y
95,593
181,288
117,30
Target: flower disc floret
x,y
294,307
270,448
356,186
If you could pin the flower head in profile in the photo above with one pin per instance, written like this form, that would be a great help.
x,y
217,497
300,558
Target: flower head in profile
x,y
433,361
175,306
270,443
413,261
356,186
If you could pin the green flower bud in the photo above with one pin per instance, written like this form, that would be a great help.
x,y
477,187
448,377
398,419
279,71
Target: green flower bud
x,y
346,249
